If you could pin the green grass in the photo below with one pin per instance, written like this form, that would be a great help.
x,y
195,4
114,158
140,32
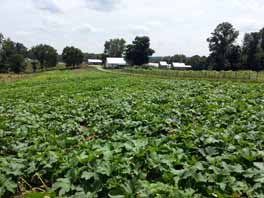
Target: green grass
x,y
87,133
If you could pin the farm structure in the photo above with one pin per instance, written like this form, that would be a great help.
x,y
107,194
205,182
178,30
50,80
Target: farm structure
x,y
164,65
180,66
156,65
95,62
115,62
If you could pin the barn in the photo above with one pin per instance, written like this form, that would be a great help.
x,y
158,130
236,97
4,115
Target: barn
x,y
95,62
180,66
115,62
164,65
153,65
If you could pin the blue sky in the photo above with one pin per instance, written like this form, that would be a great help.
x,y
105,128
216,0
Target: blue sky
x,y
174,26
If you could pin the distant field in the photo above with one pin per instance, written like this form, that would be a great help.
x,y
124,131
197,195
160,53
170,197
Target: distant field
x,y
87,133
11,77
248,76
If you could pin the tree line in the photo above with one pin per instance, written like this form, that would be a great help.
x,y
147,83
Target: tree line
x,y
225,53
15,56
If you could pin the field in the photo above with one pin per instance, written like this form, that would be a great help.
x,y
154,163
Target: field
x,y
93,134
243,76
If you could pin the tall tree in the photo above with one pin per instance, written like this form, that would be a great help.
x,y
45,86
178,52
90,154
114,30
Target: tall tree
x,y
12,56
262,38
253,51
233,55
72,56
220,42
114,47
45,54
21,49
17,63
139,51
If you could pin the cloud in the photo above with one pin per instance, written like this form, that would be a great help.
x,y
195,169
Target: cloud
x,y
174,26
86,28
247,24
102,5
154,23
47,5
139,29
252,5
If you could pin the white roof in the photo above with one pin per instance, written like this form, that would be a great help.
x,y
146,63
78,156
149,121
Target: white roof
x,y
181,65
163,63
178,64
153,64
116,61
94,61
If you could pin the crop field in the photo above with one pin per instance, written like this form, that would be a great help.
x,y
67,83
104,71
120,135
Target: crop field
x,y
243,76
95,134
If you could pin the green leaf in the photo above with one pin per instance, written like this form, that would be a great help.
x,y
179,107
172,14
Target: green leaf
x,y
87,175
63,185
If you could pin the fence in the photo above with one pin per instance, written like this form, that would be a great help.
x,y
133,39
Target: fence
x,y
250,76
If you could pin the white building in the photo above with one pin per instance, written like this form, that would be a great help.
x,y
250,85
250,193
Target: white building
x,y
153,65
95,62
115,62
164,65
180,66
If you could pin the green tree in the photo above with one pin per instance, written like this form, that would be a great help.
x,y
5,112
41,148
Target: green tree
x,y
114,47
253,49
21,49
45,54
233,55
72,56
179,58
220,42
12,56
262,38
139,51
17,63
2,69
198,62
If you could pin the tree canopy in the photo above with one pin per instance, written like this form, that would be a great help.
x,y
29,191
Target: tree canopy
x,y
253,50
12,55
45,54
139,51
114,47
72,56
222,39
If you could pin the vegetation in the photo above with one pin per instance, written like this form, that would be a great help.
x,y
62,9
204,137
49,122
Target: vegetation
x,y
225,53
253,50
94,134
114,47
246,76
12,56
197,62
46,55
72,56
221,44
139,51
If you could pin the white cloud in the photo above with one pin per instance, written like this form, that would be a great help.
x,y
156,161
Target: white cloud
x,y
252,5
174,26
139,29
47,5
102,5
86,28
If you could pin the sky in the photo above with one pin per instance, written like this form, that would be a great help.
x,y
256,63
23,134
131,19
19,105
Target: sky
x,y
174,26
